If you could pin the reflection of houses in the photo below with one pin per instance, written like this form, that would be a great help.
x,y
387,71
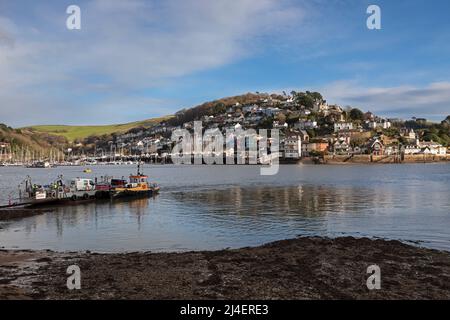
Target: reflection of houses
x,y
293,147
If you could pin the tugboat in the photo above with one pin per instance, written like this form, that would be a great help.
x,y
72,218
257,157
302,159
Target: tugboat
x,y
138,186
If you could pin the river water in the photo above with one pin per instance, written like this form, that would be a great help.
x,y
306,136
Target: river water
x,y
216,207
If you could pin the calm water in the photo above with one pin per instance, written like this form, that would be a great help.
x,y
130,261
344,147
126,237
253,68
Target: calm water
x,y
217,207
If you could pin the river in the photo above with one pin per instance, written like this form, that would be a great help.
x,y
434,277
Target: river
x,y
216,207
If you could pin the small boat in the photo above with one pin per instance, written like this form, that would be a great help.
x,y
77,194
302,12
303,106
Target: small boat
x,y
40,164
138,186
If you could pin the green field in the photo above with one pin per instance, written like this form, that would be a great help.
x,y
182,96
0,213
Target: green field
x,y
81,132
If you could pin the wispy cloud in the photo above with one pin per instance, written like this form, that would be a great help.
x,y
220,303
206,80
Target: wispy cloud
x,y
432,100
134,58
123,46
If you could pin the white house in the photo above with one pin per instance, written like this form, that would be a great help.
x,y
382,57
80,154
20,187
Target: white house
x,y
293,147
380,124
431,147
411,135
412,149
342,146
426,147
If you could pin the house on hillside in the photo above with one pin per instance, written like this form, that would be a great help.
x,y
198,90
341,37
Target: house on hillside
x,y
341,146
293,146
314,147
408,134
320,107
375,147
425,147
378,124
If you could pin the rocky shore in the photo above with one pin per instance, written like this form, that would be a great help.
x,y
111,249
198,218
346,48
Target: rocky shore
x,y
303,268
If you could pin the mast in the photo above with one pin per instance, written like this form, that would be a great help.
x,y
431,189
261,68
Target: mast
x,y
139,172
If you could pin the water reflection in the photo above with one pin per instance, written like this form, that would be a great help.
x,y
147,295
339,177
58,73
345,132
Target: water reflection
x,y
303,200
218,207
89,213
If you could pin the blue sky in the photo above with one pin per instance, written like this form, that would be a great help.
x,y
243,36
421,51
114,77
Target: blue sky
x,y
138,59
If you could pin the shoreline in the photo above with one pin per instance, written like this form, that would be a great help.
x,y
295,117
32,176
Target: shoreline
x,y
301,268
328,159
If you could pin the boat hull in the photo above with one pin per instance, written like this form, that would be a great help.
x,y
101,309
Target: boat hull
x,y
135,193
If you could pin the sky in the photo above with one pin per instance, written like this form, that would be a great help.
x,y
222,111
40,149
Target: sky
x,y
134,60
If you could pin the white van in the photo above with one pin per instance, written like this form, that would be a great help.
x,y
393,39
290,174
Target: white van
x,y
80,184
81,188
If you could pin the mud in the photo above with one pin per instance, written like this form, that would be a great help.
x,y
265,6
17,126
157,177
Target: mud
x,y
303,268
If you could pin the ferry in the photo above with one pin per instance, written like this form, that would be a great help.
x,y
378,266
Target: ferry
x,y
75,191
80,190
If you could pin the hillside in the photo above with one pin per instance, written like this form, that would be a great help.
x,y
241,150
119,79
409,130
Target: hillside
x,y
218,106
37,141
72,133
292,109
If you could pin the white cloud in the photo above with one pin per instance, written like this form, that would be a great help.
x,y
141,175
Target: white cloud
x,y
126,45
432,100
